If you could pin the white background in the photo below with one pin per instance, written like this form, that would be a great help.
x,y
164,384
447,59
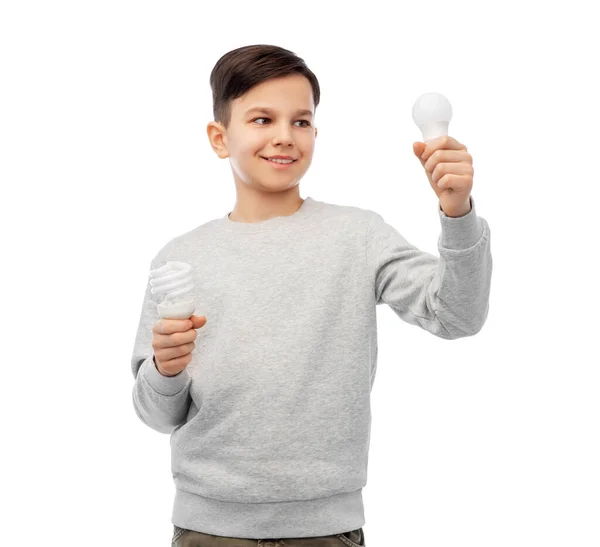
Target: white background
x,y
491,440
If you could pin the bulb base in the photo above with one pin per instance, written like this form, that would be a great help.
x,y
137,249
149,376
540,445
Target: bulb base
x,y
177,310
434,130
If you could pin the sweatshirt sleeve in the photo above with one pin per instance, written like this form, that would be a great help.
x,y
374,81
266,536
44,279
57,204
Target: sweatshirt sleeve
x,y
446,296
161,402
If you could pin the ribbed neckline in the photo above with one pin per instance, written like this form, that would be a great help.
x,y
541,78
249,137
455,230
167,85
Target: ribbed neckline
x,y
267,225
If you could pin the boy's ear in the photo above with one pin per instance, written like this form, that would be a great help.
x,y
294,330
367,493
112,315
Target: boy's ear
x,y
217,137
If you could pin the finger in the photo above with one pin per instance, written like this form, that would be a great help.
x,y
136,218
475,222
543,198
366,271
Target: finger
x,y
418,148
198,321
442,169
446,156
174,339
445,142
176,353
456,182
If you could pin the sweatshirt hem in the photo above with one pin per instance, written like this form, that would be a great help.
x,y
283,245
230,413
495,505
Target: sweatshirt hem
x,y
293,519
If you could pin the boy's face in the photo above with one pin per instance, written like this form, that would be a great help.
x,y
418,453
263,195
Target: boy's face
x,y
253,135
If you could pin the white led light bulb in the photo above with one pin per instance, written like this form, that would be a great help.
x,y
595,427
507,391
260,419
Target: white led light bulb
x,y
175,280
432,113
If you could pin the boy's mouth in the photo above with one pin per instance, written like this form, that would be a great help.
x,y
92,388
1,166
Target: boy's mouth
x,y
286,160
282,164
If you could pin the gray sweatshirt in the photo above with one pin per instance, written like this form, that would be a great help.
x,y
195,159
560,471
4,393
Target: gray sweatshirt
x,y
270,422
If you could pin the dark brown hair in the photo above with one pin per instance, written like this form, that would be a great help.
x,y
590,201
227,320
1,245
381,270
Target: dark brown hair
x,y
239,70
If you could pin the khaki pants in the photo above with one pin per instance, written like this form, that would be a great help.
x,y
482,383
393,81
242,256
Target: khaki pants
x,y
189,538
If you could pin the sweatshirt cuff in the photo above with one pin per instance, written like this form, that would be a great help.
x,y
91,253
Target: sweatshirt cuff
x,y
165,385
460,232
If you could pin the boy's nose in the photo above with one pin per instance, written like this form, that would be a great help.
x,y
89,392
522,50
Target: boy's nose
x,y
283,135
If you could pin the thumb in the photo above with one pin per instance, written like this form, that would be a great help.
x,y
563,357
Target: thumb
x,y
198,321
418,149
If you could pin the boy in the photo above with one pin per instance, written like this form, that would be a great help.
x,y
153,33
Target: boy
x,y
266,394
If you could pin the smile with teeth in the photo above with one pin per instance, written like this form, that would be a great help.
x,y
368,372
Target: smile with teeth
x,y
279,160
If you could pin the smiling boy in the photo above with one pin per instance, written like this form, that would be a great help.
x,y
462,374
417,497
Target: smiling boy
x,y
269,405
273,118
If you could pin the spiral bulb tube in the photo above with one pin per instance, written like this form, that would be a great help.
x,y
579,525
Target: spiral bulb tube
x,y
175,281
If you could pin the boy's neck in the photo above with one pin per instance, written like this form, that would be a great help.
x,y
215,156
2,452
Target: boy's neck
x,y
254,207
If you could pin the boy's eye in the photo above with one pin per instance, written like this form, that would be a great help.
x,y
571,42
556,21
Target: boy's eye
x,y
255,119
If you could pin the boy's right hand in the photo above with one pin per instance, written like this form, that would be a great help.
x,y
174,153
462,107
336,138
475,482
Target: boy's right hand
x,y
173,343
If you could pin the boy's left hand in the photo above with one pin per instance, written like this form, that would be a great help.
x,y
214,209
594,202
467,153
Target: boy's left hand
x,y
447,163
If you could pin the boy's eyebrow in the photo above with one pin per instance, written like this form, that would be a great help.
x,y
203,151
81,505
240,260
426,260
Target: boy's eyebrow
x,y
300,112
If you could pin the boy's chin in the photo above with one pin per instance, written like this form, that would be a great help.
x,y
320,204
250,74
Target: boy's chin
x,y
274,185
